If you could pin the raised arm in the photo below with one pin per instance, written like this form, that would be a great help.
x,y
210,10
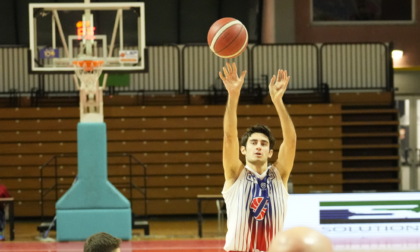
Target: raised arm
x,y
232,164
287,151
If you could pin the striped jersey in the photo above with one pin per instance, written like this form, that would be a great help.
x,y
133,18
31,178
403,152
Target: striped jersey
x,y
256,206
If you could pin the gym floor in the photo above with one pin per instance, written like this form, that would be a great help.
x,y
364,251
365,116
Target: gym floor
x,y
180,234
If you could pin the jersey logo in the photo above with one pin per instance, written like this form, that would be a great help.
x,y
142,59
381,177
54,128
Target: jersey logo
x,y
259,207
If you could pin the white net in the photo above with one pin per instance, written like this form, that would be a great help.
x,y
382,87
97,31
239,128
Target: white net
x,y
87,71
91,101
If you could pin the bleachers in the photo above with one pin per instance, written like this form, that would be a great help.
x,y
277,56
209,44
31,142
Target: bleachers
x,y
340,148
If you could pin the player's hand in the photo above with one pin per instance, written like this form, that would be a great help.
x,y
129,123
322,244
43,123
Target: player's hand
x,y
278,85
233,83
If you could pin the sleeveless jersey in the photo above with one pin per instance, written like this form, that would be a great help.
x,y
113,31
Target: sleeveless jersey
x,y
256,206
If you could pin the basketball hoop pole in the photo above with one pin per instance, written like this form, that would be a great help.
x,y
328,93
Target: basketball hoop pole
x,y
88,38
92,204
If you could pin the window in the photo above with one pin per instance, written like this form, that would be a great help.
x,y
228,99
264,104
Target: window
x,y
333,12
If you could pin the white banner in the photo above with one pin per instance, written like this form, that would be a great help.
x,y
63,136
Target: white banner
x,y
357,215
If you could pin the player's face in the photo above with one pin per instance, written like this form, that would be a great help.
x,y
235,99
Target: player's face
x,y
257,148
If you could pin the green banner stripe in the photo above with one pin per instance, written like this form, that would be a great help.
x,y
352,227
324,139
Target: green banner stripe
x,y
370,203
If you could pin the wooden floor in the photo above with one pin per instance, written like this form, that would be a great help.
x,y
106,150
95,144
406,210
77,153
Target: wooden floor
x,y
180,234
160,228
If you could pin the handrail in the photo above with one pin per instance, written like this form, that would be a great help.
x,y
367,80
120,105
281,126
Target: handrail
x,y
343,66
41,181
132,185
54,161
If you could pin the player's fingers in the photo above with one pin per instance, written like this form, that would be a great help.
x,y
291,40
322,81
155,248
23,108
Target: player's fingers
x,y
273,80
243,74
234,69
229,67
221,76
285,77
225,71
286,83
279,75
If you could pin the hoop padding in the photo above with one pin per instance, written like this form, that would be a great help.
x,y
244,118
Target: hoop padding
x,y
88,71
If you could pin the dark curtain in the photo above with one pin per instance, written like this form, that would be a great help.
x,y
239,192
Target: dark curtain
x,y
167,21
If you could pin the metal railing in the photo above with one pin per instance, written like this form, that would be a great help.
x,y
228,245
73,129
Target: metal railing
x,y
193,68
54,162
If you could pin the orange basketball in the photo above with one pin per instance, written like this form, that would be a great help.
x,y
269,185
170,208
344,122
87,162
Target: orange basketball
x,y
227,37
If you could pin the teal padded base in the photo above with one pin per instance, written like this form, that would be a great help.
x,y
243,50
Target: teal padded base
x,y
92,189
78,224
92,204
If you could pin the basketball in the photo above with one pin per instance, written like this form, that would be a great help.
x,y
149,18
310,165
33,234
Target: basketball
x,y
227,38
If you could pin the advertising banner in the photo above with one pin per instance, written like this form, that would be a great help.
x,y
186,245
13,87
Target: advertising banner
x,y
357,215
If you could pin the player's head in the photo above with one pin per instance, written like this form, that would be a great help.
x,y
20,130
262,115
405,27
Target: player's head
x,y
102,242
301,239
258,128
257,143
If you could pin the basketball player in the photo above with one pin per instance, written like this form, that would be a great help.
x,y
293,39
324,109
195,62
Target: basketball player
x,y
255,192
301,239
102,242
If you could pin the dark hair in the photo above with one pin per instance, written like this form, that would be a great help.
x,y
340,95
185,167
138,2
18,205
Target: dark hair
x,y
258,128
101,242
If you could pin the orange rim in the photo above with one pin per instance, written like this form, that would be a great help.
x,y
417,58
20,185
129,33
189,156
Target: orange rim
x,y
88,65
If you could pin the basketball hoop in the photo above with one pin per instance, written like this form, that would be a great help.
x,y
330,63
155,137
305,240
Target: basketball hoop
x,y
88,65
88,71
91,103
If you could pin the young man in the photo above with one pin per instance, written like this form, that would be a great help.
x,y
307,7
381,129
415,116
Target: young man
x,y
255,192
102,242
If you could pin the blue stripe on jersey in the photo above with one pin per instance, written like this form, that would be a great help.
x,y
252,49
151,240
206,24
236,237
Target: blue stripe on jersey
x,y
245,233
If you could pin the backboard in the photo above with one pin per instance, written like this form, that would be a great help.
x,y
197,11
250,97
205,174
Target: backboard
x,y
61,33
